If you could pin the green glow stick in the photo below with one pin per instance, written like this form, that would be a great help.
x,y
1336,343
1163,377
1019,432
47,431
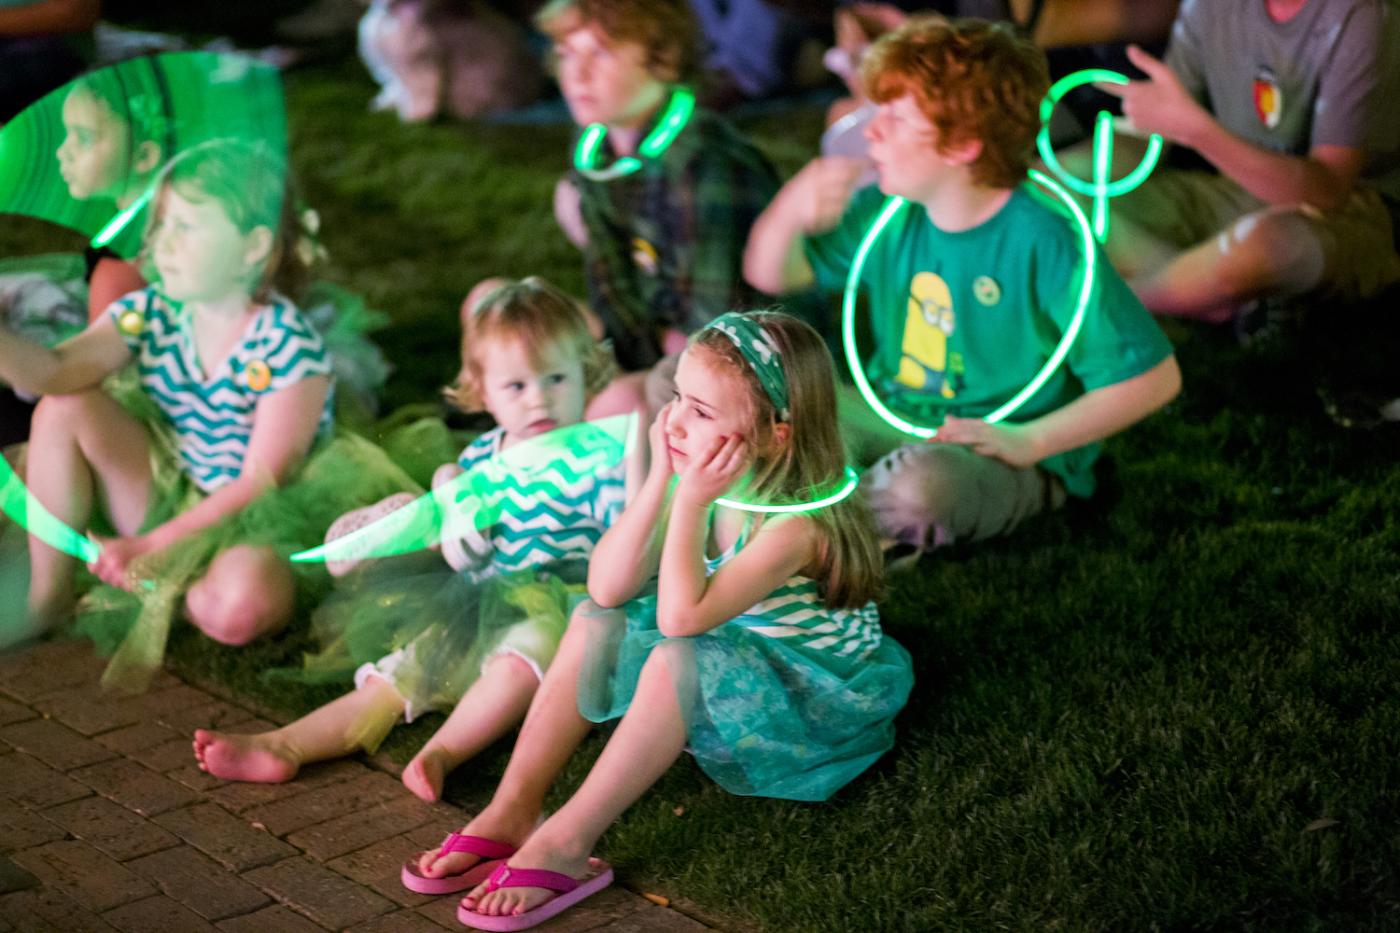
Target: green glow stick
x,y
29,513
849,481
1103,187
848,315
480,496
678,113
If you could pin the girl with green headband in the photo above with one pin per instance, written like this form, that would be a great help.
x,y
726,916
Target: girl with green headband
x,y
750,639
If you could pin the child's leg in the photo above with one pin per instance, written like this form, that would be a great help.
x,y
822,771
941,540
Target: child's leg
x,y
333,731
82,445
247,592
647,741
553,729
495,704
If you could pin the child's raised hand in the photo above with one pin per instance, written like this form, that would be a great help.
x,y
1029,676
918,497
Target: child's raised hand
x,y
656,436
709,476
822,189
1012,444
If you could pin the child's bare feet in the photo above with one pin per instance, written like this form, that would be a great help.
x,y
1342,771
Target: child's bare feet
x,y
244,757
425,773
535,853
492,823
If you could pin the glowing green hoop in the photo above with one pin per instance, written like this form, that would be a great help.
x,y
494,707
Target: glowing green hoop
x,y
590,144
848,315
849,481
1103,187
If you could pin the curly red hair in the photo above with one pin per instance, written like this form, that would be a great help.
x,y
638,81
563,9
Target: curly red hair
x,y
974,81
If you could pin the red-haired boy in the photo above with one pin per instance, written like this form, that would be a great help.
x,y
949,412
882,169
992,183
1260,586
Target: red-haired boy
x,y
970,287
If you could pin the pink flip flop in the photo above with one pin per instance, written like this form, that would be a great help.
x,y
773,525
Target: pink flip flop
x,y
493,855
570,892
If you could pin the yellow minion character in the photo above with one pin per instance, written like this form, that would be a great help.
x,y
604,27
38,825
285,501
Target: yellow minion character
x,y
927,327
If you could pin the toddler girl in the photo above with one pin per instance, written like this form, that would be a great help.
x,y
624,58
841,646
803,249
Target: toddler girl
x,y
759,650
487,636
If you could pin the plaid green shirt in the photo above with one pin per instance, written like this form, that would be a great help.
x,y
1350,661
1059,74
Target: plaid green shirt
x,y
666,243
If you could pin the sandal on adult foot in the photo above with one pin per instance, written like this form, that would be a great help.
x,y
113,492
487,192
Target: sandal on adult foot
x,y
569,892
493,855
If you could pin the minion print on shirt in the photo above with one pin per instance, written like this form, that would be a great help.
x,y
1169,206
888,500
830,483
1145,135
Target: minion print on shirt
x,y
1268,97
929,323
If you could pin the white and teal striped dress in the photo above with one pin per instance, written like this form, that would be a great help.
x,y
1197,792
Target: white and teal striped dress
x,y
212,410
789,699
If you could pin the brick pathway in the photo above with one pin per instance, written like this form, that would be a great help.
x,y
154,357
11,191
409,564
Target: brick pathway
x,y
106,824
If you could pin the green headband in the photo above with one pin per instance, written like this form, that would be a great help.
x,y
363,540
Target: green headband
x,y
760,351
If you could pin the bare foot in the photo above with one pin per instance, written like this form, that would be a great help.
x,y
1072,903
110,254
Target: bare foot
x,y
243,757
537,854
489,824
425,773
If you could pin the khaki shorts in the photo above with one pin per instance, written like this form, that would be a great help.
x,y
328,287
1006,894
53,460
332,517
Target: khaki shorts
x,y
1354,245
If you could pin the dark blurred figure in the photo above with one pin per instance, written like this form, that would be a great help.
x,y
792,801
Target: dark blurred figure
x,y
43,45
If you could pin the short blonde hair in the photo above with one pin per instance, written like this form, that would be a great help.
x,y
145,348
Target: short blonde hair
x,y
974,81
538,315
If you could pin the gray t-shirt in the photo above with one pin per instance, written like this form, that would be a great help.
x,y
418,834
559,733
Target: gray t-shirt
x,y
1329,76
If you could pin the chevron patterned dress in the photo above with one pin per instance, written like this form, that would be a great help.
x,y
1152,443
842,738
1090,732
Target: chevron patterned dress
x,y
445,626
212,410
790,699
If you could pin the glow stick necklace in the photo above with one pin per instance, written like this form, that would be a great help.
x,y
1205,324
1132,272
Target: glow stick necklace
x,y
848,315
849,480
590,144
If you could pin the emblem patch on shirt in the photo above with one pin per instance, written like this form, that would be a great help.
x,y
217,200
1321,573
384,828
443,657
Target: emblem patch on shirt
x,y
644,255
928,323
258,375
131,322
986,290
1268,97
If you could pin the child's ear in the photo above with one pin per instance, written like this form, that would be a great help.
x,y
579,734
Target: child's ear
x,y
964,153
782,433
665,66
147,158
257,246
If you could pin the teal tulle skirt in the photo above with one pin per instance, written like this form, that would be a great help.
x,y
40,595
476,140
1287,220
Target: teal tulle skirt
x,y
764,717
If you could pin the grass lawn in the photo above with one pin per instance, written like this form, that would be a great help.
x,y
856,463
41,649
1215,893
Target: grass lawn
x,y
1174,706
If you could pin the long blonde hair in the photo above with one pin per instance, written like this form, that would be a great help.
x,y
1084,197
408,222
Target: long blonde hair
x,y
813,459
538,314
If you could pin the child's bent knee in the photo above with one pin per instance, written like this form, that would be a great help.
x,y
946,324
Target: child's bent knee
x,y
247,593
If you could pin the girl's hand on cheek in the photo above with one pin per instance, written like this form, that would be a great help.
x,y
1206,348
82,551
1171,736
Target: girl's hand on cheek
x,y
660,451
709,476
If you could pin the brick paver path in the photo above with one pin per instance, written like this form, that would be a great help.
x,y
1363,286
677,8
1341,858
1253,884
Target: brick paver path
x,y
106,824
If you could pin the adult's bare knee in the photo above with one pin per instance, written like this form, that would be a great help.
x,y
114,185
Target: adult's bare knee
x,y
247,592
1270,251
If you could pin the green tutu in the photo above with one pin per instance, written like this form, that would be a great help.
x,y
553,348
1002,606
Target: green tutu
x,y
429,631
787,700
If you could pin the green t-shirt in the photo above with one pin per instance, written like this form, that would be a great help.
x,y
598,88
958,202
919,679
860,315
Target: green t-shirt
x,y
963,321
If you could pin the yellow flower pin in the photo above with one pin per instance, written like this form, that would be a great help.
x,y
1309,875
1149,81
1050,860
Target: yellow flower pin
x,y
258,375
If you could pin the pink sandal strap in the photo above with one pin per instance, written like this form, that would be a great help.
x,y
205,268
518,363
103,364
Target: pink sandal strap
x,y
487,849
506,877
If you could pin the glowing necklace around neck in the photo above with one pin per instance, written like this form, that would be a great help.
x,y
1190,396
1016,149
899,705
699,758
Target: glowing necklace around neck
x,y
849,481
677,115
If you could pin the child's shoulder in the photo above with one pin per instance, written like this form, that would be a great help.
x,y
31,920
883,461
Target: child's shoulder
x,y
709,137
482,447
